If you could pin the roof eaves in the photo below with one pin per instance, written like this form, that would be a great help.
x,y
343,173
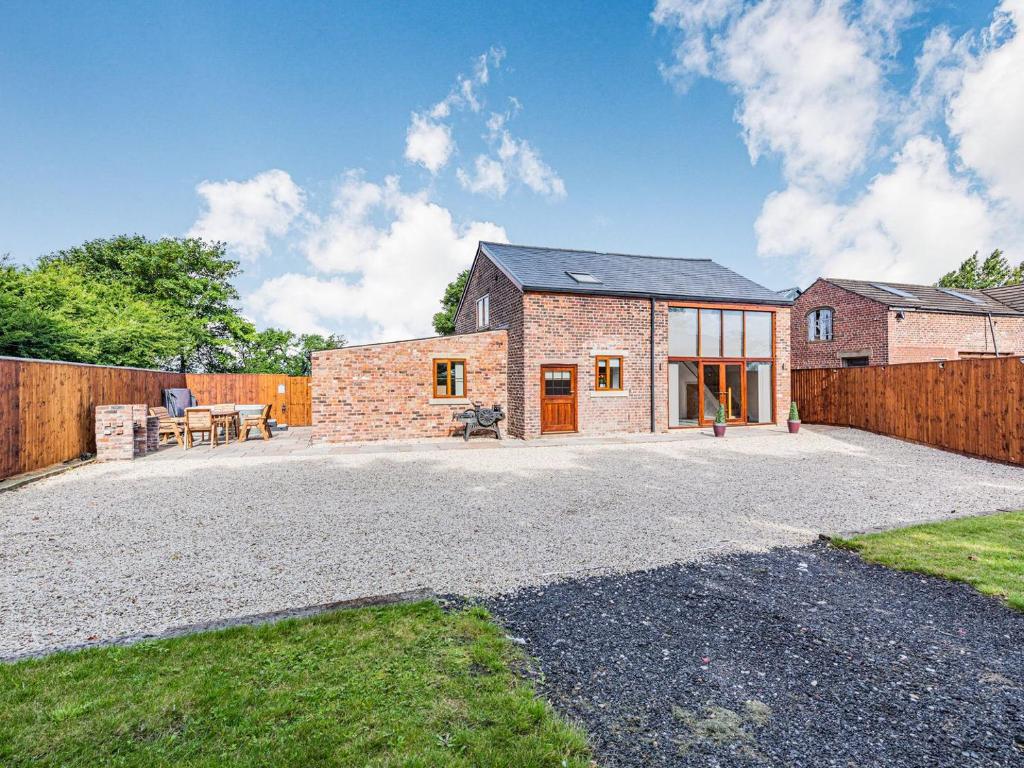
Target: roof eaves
x,y
594,253
779,302
505,268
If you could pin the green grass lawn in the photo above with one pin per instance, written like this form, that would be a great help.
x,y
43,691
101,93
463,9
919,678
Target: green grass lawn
x,y
406,685
985,552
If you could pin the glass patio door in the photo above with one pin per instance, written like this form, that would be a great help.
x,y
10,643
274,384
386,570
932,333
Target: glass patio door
x,y
722,385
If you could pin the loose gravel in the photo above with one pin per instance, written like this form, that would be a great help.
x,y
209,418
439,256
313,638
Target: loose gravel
x,y
109,550
796,657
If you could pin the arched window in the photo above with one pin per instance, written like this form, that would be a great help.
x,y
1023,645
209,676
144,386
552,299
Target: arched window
x,y
819,324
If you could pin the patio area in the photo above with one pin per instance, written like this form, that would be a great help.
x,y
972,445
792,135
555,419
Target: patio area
x,y
183,537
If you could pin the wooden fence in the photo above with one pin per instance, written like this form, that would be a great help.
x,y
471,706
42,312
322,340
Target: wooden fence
x,y
47,408
969,406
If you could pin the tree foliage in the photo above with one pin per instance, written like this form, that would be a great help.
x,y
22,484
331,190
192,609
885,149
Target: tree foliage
x,y
277,351
994,272
444,321
127,300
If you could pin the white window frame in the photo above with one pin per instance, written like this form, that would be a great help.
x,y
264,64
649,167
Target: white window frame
x,y
483,311
816,327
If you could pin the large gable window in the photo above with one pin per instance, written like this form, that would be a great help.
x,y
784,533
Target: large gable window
x,y
819,324
709,332
449,378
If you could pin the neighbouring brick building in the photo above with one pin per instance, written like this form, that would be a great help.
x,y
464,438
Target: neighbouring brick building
x,y
572,341
851,323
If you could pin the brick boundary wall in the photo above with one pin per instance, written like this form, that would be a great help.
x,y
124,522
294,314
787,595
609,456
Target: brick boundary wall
x,y
152,434
385,391
115,432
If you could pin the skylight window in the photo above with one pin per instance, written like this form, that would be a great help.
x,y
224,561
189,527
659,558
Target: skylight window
x,y
584,277
894,291
958,295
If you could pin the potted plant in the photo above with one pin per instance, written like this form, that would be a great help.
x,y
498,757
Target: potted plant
x,y
719,425
794,419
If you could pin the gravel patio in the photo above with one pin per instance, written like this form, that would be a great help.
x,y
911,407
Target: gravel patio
x,y
795,657
109,550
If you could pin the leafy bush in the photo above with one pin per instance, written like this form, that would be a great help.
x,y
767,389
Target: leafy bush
x,y
794,415
720,416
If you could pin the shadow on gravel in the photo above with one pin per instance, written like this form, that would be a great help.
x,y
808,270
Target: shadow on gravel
x,y
795,657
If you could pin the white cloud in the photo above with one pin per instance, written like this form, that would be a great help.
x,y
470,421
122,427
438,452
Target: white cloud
x,y
488,177
986,115
910,224
808,75
514,159
428,140
428,143
244,214
385,258
525,162
812,88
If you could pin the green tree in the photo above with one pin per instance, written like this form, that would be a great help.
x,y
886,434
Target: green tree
x,y
278,351
188,279
25,331
994,272
60,311
300,363
444,321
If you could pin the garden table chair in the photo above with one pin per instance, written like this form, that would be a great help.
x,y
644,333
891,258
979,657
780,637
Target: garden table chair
x,y
169,426
260,422
199,420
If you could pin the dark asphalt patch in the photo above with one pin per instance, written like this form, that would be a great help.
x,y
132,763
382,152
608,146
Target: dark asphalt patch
x,y
795,657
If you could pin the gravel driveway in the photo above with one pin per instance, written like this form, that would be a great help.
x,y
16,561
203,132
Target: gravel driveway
x,y
795,658
119,549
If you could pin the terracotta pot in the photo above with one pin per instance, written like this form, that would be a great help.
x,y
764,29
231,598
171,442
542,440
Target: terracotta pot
x,y
794,426
719,430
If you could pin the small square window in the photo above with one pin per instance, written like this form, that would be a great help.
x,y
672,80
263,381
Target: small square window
x,y
449,378
483,311
608,373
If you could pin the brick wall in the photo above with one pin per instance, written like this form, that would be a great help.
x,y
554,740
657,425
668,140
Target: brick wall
x,y
925,336
783,363
859,327
385,391
506,312
569,329
115,432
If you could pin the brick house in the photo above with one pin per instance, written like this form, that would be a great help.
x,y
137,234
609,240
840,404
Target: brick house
x,y
572,341
852,323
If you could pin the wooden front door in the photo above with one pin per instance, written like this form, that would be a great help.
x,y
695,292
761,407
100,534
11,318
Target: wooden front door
x,y
557,398
724,385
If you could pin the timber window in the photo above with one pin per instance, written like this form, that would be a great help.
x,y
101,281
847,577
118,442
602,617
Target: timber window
x,y
819,324
720,356
449,378
608,373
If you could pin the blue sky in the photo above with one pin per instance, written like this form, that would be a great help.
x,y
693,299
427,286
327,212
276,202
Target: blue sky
x,y
114,115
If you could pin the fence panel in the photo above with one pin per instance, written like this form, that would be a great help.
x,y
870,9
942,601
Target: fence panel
x,y
47,409
969,406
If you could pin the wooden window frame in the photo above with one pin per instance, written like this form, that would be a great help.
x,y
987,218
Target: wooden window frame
x,y
700,359
597,369
465,378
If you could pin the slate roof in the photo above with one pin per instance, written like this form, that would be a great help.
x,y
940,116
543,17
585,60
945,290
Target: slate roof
x,y
1011,295
790,293
546,269
928,298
